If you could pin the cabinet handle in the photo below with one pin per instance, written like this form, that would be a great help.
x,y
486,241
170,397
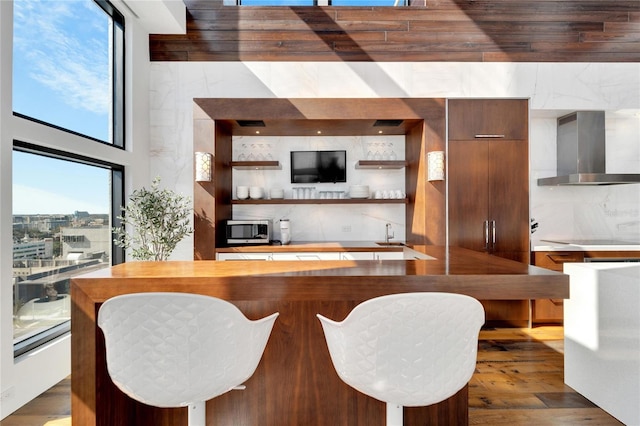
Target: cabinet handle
x,y
490,136
486,234
562,258
493,233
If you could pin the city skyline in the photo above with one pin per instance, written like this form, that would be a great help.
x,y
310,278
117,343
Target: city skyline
x,y
75,188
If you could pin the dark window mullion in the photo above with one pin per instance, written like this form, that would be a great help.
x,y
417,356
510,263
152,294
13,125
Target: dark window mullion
x,y
117,201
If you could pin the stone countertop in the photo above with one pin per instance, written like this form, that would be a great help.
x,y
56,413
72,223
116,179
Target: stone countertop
x,y
315,246
585,245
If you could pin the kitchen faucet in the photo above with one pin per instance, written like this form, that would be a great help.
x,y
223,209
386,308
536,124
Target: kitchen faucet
x,y
388,233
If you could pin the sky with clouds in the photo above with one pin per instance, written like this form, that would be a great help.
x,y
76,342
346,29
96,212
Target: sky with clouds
x,y
61,64
61,76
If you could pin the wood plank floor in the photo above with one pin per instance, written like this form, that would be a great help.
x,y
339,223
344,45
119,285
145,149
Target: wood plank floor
x,y
518,381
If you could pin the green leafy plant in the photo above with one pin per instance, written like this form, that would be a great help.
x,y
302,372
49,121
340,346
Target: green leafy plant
x,y
158,219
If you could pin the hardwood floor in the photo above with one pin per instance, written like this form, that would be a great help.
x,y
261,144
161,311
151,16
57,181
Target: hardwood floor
x,y
518,381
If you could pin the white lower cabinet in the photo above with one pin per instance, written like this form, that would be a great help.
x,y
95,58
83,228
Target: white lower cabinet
x,y
306,256
406,254
357,255
389,255
244,256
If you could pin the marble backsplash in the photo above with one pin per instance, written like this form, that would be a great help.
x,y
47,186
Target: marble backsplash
x,y
587,212
324,221
553,90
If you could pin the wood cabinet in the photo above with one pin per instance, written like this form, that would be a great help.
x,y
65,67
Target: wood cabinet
x,y
489,177
422,121
555,260
471,119
551,310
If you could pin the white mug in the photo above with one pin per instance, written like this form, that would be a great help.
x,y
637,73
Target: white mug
x,y
242,192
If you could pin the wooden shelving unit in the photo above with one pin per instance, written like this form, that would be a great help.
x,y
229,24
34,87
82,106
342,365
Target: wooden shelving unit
x,y
323,201
256,165
380,164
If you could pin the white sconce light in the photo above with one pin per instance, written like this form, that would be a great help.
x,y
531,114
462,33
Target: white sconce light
x,y
203,166
435,165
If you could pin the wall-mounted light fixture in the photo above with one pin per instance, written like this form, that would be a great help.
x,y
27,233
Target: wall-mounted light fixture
x,y
435,165
203,166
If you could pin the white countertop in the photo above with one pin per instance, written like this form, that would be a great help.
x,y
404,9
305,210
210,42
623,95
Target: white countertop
x,y
594,245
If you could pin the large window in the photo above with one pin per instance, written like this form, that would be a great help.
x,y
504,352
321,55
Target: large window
x,y
63,210
68,66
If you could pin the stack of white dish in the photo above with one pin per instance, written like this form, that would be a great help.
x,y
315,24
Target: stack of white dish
x,y
359,191
277,193
392,193
256,192
242,192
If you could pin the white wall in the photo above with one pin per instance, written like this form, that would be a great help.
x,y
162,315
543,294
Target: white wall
x,y
588,212
23,379
553,89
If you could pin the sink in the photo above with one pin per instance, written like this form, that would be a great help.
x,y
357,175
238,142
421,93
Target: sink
x,y
390,243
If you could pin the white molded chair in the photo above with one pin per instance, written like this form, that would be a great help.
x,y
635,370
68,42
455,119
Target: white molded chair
x,y
180,349
410,349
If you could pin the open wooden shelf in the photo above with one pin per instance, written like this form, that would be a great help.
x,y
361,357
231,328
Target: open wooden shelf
x,y
256,165
323,201
380,164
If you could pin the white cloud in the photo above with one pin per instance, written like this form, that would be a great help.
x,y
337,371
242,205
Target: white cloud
x,y
66,49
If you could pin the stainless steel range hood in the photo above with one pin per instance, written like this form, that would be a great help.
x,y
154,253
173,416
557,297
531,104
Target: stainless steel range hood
x,y
581,153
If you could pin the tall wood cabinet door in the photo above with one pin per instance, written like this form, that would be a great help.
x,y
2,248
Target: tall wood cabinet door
x,y
509,198
468,194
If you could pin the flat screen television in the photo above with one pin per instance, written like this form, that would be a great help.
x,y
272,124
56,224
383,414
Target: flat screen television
x,y
318,166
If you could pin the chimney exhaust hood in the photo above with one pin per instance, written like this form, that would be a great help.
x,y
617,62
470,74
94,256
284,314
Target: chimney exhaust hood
x,y
581,153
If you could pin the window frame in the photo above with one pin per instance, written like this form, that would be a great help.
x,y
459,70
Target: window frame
x,y
117,253
405,3
117,56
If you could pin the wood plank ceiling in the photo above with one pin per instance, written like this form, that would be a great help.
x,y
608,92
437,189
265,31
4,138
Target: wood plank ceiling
x,y
438,30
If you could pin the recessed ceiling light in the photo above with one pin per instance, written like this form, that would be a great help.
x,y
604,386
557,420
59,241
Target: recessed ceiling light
x,y
379,132
257,132
319,132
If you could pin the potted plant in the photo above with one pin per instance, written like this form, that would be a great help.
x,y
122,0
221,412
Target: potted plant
x,y
158,220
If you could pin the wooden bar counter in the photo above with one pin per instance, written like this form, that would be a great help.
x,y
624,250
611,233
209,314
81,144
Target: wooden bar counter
x,y
295,383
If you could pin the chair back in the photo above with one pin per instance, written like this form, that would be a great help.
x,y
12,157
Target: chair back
x,y
411,349
173,349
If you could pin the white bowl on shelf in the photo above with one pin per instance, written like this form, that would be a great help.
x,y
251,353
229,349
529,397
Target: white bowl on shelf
x,y
277,193
242,192
256,192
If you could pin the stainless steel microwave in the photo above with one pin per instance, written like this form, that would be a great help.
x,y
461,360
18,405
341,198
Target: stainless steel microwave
x,y
248,232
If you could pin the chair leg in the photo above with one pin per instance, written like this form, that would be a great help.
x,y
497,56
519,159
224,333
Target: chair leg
x,y
197,414
394,414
